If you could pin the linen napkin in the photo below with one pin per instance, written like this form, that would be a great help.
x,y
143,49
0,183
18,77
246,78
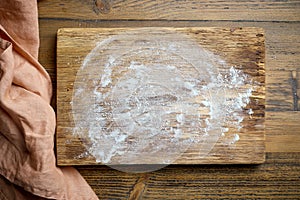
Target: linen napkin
x,y
27,121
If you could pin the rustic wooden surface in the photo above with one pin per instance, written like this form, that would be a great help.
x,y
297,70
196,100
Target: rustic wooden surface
x,y
238,47
279,177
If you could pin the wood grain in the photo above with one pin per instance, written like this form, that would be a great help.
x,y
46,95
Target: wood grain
x,y
277,178
242,47
256,10
280,138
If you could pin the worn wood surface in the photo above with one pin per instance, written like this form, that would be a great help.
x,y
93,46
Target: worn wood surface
x,y
278,177
240,47
256,10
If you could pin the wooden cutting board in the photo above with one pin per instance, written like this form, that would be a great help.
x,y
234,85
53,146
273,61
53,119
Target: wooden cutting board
x,y
144,95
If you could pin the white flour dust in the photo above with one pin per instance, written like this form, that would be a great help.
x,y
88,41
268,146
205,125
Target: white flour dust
x,y
144,96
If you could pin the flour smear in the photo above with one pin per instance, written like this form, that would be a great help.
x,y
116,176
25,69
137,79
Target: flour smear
x,y
145,96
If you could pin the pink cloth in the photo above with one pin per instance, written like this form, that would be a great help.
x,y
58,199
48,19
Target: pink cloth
x,y
27,121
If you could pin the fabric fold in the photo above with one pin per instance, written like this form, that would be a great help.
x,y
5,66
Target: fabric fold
x,y
27,121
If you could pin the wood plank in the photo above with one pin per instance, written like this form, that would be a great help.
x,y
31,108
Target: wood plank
x,y
243,48
283,138
256,10
277,178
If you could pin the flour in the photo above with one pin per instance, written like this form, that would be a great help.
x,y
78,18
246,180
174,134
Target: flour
x,y
144,101
236,138
250,112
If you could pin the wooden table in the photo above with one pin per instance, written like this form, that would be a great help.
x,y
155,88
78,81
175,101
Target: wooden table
x,y
279,177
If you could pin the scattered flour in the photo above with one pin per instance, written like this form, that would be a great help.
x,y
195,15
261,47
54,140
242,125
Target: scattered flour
x,y
236,137
250,112
171,89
